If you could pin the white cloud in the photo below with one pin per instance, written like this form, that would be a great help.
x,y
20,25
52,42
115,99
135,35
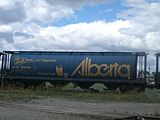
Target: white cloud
x,y
4,28
51,10
82,36
6,4
13,14
141,21
7,36
40,10
17,18
145,21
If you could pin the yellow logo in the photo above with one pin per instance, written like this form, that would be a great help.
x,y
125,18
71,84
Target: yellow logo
x,y
59,71
87,69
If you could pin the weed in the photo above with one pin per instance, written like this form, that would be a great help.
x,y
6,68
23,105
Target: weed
x,y
149,96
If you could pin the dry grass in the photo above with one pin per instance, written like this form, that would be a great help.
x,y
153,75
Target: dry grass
x,y
14,94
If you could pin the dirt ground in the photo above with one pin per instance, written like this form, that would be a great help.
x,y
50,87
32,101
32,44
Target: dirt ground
x,y
64,109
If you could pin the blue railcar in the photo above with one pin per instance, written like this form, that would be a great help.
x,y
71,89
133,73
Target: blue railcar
x,y
113,69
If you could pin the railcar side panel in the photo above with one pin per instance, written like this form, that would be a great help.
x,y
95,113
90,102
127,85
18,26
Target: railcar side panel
x,y
85,66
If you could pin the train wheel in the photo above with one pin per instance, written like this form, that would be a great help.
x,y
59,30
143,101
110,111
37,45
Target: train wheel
x,y
132,89
13,84
58,84
111,87
84,85
139,89
33,85
124,89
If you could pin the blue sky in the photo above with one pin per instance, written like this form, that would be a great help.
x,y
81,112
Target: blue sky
x,y
90,13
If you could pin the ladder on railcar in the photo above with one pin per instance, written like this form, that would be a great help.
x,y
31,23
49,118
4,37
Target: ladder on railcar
x,y
1,69
5,65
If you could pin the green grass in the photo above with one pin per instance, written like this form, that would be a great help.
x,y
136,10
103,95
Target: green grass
x,y
157,114
10,94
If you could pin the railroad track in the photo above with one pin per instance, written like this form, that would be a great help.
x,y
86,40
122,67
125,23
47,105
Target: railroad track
x,y
108,116
139,118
